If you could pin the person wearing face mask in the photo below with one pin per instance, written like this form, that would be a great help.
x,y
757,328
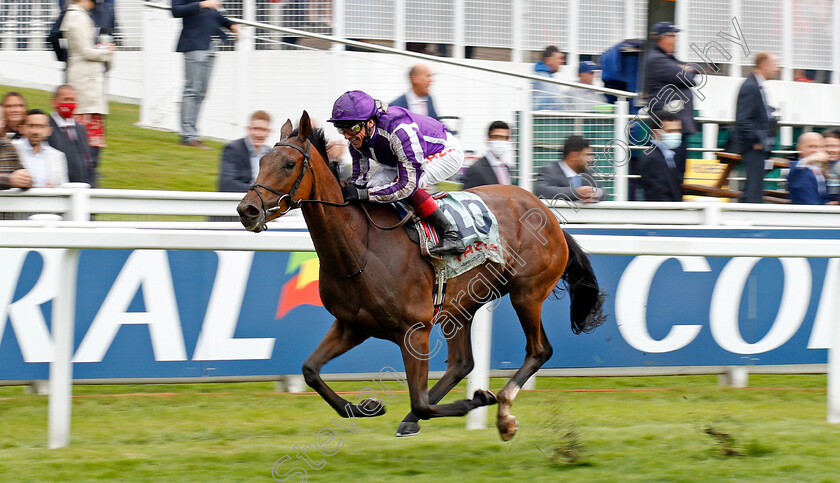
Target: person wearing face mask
x,y
70,137
492,168
413,151
660,173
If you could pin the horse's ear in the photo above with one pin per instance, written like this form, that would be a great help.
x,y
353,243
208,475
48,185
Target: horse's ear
x,y
286,129
305,127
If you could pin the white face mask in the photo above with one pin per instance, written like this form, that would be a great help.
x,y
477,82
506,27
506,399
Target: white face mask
x,y
499,148
672,140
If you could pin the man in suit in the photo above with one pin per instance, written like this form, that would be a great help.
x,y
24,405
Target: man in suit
x,y
70,137
570,178
806,179
240,161
491,169
418,99
202,21
668,84
755,129
660,175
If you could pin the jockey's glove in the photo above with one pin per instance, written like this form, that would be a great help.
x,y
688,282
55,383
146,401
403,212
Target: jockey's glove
x,y
352,192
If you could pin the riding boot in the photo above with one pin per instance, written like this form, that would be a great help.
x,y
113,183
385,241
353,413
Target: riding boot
x,y
450,239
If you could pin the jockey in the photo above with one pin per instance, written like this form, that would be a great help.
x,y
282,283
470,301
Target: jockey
x,y
413,152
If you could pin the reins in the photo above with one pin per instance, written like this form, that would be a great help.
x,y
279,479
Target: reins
x,y
292,203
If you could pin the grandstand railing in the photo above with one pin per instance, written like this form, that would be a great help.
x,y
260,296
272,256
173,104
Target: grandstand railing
x,y
73,237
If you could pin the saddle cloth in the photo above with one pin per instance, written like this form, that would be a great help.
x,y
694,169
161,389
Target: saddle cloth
x,y
476,224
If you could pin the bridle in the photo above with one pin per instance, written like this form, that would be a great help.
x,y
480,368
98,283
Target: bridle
x,y
292,203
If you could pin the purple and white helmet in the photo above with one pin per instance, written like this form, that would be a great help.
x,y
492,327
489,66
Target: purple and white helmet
x,y
353,106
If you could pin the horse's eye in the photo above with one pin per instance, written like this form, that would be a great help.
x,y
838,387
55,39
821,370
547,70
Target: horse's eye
x,y
290,165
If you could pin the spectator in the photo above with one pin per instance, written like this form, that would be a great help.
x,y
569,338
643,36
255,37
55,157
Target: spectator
x,y
570,178
755,125
46,165
241,158
660,175
806,179
492,168
70,137
832,148
15,107
86,64
580,99
417,99
668,85
12,173
547,96
201,22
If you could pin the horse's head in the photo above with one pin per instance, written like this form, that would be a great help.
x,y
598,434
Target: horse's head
x,y
286,177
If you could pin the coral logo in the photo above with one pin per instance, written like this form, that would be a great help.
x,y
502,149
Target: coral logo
x,y
303,287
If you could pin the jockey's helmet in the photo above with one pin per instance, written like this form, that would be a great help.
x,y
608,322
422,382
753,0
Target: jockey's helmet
x,y
353,106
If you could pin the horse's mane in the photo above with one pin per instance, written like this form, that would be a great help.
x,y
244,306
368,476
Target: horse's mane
x,y
318,139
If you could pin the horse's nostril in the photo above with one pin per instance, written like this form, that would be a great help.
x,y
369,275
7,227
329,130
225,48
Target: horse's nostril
x,y
248,211
252,211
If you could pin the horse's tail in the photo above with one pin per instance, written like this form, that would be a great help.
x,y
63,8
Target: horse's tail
x,y
586,297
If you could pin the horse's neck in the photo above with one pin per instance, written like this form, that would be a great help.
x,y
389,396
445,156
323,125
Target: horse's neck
x,y
338,233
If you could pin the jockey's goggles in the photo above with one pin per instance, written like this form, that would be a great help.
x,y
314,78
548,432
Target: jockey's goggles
x,y
351,129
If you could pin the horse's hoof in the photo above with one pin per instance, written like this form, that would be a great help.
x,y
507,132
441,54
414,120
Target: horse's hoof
x,y
371,408
408,428
484,398
508,427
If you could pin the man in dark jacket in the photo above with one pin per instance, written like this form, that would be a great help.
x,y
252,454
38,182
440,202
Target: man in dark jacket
x,y
660,176
668,84
755,128
569,179
202,21
418,99
70,137
241,158
491,169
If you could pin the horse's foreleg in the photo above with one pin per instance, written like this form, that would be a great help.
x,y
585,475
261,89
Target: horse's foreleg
x,y
417,373
459,365
339,339
537,349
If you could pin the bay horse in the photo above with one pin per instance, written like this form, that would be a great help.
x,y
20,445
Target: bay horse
x,y
376,283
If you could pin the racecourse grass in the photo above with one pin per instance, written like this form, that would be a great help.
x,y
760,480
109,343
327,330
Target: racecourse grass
x,y
571,429
147,159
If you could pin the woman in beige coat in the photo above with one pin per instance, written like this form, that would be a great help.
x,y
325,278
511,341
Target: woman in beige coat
x,y
86,63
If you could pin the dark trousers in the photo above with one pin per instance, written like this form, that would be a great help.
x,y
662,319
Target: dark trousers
x,y
753,161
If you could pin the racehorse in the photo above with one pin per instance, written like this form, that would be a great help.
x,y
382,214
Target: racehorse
x,y
376,283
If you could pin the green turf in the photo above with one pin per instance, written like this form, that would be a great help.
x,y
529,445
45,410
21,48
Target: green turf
x,y
144,158
648,429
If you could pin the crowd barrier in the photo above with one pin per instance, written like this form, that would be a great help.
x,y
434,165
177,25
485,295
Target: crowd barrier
x,y
142,303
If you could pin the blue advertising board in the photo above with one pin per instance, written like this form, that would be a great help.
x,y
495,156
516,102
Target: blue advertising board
x,y
152,313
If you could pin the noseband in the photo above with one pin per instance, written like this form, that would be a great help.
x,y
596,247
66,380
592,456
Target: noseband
x,y
291,202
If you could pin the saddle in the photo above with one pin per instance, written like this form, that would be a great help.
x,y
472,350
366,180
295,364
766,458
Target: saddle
x,y
478,229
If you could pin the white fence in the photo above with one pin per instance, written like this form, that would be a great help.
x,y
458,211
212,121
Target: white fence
x,y
82,204
74,237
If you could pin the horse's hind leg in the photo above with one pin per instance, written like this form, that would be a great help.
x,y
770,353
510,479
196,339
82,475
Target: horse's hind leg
x,y
459,365
417,373
538,350
339,339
